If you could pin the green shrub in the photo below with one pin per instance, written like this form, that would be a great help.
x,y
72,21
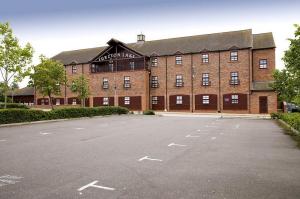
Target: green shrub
x,y
292,119
23,115
149,112
275,115
13,105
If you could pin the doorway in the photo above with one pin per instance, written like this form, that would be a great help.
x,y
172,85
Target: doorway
x,y
263,104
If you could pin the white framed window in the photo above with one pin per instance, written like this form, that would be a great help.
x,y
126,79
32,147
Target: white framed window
x,y
127,82
234,78
154,81
234,99
205,99
74,101
205,79
126,100
178,60
154,100
131,65
57,102
205,58
179,81
74,69
105,101
154,61
105,84
233,55
179,99
263,63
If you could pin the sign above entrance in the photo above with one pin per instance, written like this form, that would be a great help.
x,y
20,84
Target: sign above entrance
x,y
116,56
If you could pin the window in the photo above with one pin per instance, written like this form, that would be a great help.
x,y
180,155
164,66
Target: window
x,y
263,63
178,60
178,99
42,102
105,101
74,102
154,82
205,79
154,100
205,58
127,82
179,81
127,100
233,55
57,102
234,99
74,69
205,99
131,65
93,68
105,84
154,61
111,66
234,78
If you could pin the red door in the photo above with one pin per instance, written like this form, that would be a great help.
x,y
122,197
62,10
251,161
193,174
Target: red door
x,y
263,104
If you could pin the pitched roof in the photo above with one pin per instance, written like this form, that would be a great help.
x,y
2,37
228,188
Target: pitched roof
x,y
23,92
263,40
191,44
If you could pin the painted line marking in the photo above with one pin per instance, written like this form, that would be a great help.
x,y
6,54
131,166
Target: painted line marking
x,y
44,133
213,138
3,140
93,184
147,158
237,126
192,136
173,144
79,128
221,133
8,180
210,126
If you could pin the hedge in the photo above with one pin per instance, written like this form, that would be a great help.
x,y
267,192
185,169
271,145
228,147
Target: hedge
x,y
148,112
28,115
293,119
13,105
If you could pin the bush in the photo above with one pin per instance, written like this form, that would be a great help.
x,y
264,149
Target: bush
x,y
23,115
13,105
292,119
149,112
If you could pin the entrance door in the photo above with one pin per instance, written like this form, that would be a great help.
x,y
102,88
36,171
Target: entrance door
x,y
263,104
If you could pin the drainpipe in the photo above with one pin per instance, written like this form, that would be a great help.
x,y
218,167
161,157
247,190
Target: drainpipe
x,y
220,97
192,82
166,101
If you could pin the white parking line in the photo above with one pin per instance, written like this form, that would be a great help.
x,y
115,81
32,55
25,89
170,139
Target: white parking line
x,y
192,136
173,144
3,140
237,126
8,179
79,128
93,184
44,133
213,138
147,158
210,126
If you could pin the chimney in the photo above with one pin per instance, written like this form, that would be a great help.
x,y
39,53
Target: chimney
x,y
141,38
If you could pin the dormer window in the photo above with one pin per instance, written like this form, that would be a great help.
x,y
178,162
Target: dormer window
x,y
233,55
178,60
154,61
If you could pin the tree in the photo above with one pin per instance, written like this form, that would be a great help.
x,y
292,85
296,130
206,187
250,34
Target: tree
x,y
48,77
13,87
80,86
287,81
13,59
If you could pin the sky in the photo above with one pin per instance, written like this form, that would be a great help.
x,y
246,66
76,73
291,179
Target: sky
x,y
55,26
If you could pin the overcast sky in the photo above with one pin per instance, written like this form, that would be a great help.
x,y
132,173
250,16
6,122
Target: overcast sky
x,y
57,25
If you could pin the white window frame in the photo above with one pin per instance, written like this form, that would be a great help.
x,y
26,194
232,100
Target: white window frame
x,y
205,99
234,99
154,61
154,81
205,79
234,56
205,58
178,60
74,101
105,101
263,63
105,83
127,100
154,100
127,82
179,99
179,80
74,69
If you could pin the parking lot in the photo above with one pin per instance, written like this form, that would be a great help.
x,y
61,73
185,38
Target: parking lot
x,y
139,157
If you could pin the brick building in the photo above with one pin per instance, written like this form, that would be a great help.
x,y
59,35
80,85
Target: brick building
x,y
220,72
